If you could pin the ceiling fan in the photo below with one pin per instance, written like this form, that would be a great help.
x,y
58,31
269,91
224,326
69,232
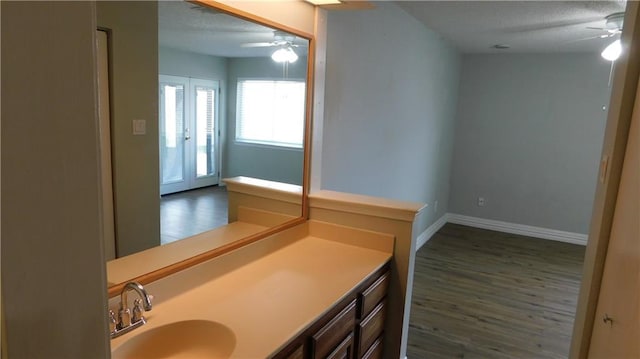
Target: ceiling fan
x,y
612,27
284,42
280,38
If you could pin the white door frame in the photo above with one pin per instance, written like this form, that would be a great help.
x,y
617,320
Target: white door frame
x,y
104,119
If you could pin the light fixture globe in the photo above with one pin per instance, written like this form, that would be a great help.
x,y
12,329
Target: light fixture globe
x,y
613,51
284,54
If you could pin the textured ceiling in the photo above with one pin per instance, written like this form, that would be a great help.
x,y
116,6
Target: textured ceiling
x,y
193,28
527,26
472,26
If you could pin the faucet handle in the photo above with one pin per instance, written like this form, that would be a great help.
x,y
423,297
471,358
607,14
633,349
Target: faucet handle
x,y
112,321
137,311
125,318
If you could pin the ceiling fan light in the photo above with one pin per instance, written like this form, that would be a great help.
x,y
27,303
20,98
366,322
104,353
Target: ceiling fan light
x,y
284,54
324,2
613,51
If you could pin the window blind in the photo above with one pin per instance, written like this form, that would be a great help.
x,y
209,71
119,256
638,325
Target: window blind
x,y
270,112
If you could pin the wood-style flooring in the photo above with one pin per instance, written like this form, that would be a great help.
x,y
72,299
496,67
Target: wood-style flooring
x,y
185,214
485,294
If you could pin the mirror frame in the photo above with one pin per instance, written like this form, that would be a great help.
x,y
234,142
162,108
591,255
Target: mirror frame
x,y
216,252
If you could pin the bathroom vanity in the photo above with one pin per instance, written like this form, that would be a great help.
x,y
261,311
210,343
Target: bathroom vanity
x,y
316,290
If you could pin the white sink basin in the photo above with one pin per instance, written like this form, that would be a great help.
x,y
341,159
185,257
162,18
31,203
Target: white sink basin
x,y
186,339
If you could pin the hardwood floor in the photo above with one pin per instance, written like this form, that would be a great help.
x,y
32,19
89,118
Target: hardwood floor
x,y
188,213
485,294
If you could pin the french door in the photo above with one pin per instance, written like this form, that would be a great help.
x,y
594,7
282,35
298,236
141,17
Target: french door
x,y
189,136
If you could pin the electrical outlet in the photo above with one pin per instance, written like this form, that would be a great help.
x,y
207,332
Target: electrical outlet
x,y
435,207
480,201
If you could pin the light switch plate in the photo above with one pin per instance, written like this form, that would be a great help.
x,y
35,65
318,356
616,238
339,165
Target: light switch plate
x,y
139,127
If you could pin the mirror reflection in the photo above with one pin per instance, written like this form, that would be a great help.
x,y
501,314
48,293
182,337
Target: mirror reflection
x,y
229,101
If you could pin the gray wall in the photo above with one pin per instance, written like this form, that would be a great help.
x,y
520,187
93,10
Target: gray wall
x,y
528,138
390,101
134,95
53,273
265,162
188,64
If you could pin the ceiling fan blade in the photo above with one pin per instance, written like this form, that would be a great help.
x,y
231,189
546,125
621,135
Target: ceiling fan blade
x,y
553,25
610,30
258,44
586,38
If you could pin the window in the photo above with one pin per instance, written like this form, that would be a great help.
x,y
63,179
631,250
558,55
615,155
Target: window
x,y
270,112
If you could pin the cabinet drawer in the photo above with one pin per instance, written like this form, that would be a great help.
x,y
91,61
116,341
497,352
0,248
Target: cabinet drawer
x,y
332,334
375,351
371,296
371,327
298,353
344,350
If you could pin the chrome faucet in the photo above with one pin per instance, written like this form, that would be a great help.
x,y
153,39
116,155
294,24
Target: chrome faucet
x,y
126,321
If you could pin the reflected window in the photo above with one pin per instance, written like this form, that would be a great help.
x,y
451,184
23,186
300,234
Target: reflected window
x,y
270,112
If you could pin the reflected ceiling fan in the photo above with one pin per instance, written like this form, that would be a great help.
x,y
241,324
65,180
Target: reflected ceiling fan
x,y
284,44
280,38
612,27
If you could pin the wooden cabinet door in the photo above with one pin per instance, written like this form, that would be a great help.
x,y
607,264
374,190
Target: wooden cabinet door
x,y
332,334
344,350
297,354
375,351
616,331
370,328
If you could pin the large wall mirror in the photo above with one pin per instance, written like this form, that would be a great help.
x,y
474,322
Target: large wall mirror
x,y
196,94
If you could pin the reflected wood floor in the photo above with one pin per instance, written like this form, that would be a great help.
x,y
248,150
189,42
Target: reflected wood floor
x,y
185,214
485,294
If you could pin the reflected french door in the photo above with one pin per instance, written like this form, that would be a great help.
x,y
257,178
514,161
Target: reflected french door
x,y
189,136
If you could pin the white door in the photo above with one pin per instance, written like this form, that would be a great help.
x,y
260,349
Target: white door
x,y
188,133
616,330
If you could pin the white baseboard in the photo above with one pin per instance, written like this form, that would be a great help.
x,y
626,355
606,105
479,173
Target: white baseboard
x,y
425,236
521,229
